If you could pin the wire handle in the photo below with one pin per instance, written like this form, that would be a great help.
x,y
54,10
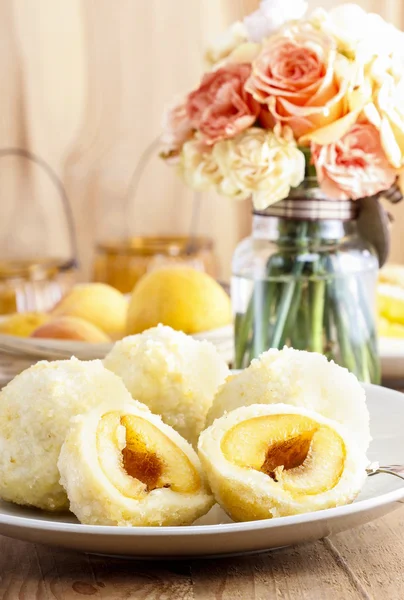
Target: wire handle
x,y
131,193
72,262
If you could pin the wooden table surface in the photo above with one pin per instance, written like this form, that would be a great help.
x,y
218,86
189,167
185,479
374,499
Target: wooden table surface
x,y
364,563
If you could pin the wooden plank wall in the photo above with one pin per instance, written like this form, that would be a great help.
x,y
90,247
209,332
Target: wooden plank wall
x,y
83,84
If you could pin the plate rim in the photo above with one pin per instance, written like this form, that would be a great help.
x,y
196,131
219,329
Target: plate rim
x,y
219,528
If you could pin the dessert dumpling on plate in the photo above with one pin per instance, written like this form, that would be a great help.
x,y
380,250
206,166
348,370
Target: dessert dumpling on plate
x,y
298,378
124,466
265,461
35,410
175,375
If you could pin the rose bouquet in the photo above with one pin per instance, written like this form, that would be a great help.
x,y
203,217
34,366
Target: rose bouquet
x,y
296,106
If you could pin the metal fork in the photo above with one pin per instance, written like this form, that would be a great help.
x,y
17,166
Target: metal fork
x,y
396,470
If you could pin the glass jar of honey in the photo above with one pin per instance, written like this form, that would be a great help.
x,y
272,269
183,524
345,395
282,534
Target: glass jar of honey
x,y
121,263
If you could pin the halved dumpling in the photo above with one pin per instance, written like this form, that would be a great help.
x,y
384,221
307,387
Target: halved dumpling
x,y
302,379
266,461
124,466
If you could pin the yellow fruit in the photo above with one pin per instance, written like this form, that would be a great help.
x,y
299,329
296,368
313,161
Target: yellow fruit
x,y
392,274
183,298
392,330
98,303
390,302
265,461
121,465
71,328
23,324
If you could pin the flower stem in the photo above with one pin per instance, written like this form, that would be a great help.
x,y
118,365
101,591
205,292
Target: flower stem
x,y
243,328
289,290
317,305
347,353
317,315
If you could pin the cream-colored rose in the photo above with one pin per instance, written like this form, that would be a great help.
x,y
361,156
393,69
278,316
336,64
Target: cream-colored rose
x,y
271,15
259,163
198,167
386,113
245,53
359,35
226,43
376,52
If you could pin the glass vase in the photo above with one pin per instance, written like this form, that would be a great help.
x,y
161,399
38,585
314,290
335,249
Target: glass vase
x,y
307,279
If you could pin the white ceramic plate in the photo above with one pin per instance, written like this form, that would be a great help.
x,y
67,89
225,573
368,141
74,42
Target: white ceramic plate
x,y
215,535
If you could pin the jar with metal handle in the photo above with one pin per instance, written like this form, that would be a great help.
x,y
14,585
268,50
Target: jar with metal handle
x,y
36,283
307,278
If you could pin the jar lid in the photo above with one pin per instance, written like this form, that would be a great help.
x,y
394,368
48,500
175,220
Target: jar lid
x,y
40,269
152,245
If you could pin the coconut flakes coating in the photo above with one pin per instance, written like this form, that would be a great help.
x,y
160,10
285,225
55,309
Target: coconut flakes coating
x,y
35,410
173,374
124,466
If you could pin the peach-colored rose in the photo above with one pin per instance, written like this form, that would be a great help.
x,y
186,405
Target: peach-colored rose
x,y
221,108
295,74
177,129
355,166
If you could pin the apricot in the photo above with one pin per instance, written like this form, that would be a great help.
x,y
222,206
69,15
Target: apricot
x,y
71,328
23,324
99,304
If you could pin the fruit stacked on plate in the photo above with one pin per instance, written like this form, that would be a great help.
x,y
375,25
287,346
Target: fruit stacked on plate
x,y
160,431
181,297
390,298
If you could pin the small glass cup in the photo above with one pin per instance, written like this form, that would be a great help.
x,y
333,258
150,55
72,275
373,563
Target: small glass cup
x,y
33,286
121,263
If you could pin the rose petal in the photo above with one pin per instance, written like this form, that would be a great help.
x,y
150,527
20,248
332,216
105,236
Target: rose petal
x,y
333,132
390,145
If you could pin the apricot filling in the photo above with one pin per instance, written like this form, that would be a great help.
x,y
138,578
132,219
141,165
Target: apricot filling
x,y
301,455
142,465
138,457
